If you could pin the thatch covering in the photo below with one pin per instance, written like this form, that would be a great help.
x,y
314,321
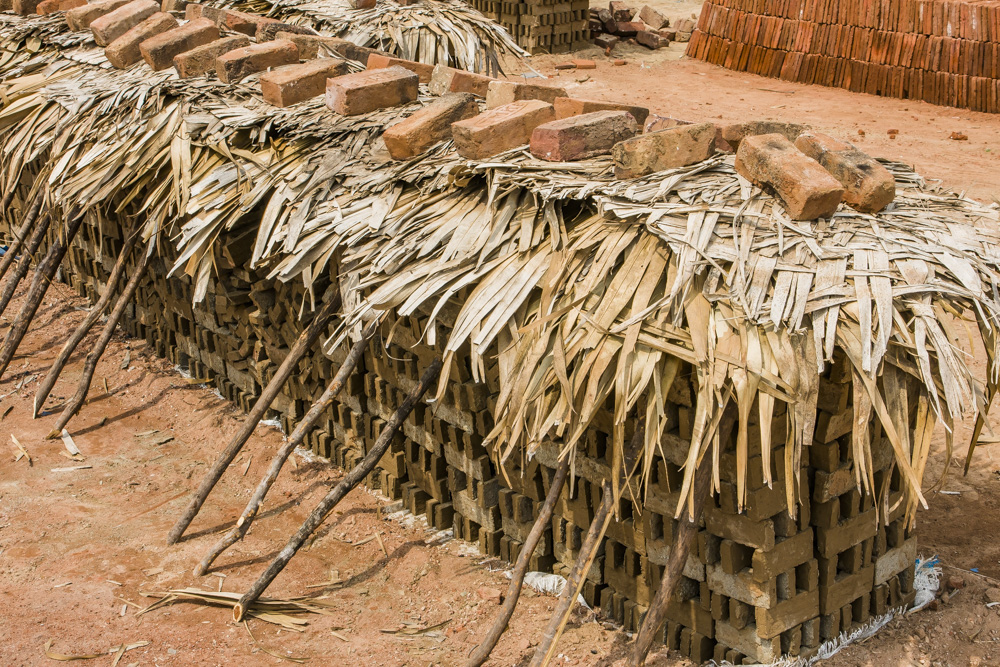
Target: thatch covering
x,y
592,291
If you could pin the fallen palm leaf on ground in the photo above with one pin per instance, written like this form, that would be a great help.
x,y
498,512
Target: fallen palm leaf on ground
x,y
285,613
117,651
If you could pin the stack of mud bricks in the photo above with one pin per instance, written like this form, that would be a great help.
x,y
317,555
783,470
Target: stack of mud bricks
x,y
541,26
933,50
760,583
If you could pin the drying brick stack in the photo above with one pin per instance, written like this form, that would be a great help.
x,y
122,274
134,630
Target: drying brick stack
x,y
541,26
761,583
933,50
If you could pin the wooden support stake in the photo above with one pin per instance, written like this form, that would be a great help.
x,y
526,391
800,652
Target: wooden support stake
x,y
302,345
298,435
351,480
44,273
90,364
46,385
588,552
21,269
482,653
30,216
680,548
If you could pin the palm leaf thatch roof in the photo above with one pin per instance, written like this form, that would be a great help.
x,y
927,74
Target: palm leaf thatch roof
x,y
588,291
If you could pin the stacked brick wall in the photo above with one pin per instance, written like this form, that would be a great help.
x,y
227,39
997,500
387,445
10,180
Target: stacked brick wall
x,y
542,26
933,50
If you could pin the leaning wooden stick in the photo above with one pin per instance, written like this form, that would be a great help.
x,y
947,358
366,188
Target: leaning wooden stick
x,y
30,216
482,653
299,349
351,479
44,273
22,266
46,385
588,552
90,365
298,435
687,530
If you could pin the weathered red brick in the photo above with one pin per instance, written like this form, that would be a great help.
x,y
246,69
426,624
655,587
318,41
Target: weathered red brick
x,y
451,80
582,63
656,122
361,4
499,93
628,28
370,90
311,46
114,24
201,60
653,18
124,51
292,84
868,186
651,40
620,11
422,70
582,137
81,17
53,6
237,65
248,24
734,134
428,126
804,186
606,41
570,106
666,149
173,5
194,10
267,32
159,51
500,129
25,7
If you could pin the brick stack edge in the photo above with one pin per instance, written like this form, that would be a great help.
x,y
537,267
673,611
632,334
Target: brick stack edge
x,y
943,52
759,583
542,26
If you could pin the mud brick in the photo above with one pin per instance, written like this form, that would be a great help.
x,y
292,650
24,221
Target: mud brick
x,y
606,41
450,80
500,129
868,186
747,642
740,613
846,589
422,70
787,614
832,541
735,557
828,486
757,534
240,63
895,561
786,554
620,11
159,51
112,25
124,51
720,606
582,137
81,17
666,149
742,587
807,190
52,6
499,93
428,126
571,106
834,397
825,456
291,84
363,92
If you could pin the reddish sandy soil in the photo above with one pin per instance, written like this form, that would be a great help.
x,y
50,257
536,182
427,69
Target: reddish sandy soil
x,y
78,545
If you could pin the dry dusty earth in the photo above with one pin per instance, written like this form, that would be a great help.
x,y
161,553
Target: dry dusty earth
x,y
81,549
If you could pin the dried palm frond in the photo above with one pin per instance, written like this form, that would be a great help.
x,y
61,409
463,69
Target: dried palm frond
x,y
590,293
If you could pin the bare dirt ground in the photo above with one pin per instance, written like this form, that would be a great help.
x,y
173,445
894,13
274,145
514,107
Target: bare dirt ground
x,y
80,548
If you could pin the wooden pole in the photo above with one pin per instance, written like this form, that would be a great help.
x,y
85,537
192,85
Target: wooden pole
x,y
482,653
45,387
298,435
680,548
22,232
351,479
21,269
44,273
299,349
90,364
588,552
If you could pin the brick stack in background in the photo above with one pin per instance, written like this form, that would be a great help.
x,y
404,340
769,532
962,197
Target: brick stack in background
x,y
941,52
760,582
541,26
